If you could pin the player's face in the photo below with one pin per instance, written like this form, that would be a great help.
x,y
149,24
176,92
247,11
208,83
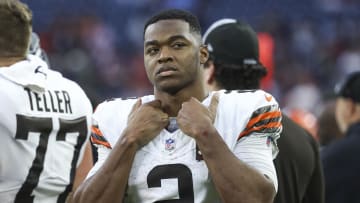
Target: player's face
x,y
172,55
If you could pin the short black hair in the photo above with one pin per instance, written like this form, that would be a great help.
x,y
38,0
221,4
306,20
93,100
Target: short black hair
x,y
176,14
234,50
235,76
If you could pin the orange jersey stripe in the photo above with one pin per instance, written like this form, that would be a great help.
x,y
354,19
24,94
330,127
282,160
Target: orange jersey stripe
x,y
98,138
99,142
96,130
270,127
263,116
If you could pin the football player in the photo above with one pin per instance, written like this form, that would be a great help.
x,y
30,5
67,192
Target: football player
x,y
182,144
44,120
235,64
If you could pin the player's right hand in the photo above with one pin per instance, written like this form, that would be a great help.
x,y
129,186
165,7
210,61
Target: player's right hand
x,y
194,118
146,121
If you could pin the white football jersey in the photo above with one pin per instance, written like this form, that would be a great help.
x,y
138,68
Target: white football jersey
x,y
45,120
170,167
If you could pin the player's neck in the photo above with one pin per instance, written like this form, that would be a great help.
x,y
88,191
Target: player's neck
x,y
8,61
171,104
214,87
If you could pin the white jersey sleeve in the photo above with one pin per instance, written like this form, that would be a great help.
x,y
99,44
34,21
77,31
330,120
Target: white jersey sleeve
x,y
44,126
255,153
256,118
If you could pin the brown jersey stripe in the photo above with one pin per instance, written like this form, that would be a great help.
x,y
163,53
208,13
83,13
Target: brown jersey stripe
x,y
267,121
269,128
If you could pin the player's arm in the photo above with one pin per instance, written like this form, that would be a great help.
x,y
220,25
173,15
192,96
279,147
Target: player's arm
x,y
234,179
84,167
109,183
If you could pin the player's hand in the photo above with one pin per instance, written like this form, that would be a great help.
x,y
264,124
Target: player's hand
x,y
146,121
195,119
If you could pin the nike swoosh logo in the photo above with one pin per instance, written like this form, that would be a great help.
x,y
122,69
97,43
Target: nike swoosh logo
x,y
268,97
37,70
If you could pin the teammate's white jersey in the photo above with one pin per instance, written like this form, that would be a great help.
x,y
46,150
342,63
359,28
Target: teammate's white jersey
x,y
44,122
171,167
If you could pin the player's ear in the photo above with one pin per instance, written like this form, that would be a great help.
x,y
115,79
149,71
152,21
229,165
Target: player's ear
x,y
204,54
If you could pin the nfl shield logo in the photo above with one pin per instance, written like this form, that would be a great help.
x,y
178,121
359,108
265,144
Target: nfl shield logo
x,y
169,144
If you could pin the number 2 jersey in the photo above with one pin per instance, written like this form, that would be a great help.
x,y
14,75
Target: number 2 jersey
x,y
44,124
170,167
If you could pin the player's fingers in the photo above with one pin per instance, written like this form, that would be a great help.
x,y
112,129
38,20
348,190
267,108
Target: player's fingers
x,y
155,103
214,104
165,118
136,105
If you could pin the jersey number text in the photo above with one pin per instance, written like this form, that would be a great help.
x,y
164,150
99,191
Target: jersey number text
x,y
44,126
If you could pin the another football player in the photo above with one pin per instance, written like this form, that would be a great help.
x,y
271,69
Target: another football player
x,y
235,64
44,119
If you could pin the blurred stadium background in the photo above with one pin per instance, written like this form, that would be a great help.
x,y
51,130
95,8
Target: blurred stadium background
x,y
309,44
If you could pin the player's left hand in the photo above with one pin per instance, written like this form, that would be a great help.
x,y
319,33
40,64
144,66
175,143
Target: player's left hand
x,y
195,119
